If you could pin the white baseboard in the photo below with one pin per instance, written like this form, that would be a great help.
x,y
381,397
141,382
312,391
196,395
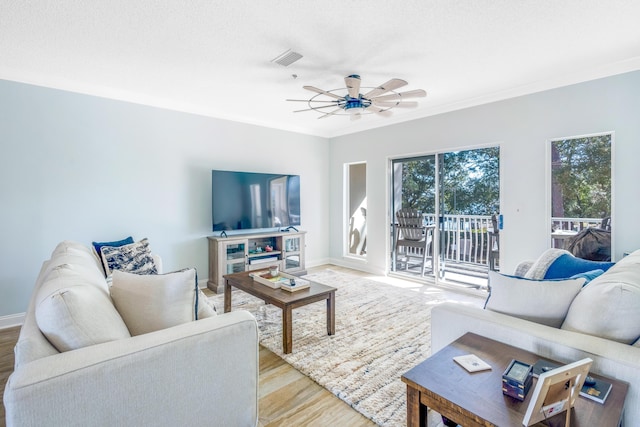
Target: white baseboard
x,y
357,264
11,320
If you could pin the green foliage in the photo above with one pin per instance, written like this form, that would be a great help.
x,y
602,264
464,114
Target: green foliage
x,y
418,184
581,177
471,182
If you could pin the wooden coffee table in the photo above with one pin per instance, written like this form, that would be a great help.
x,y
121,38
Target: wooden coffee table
x,y
285,300
476,399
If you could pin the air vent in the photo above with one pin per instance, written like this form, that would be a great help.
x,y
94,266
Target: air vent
x,y
287,58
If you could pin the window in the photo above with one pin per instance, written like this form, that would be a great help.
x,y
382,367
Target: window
x,y
581,195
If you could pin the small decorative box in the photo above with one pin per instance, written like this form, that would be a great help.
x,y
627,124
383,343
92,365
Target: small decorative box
x,y
517,379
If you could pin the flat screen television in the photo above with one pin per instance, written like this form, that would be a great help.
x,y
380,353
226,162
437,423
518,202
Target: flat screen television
x,y
249,200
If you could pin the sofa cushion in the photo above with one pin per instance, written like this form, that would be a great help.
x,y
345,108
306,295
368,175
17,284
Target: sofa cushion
x,y
69,246
69,252
78,316
132,258
149,303
609,306
97,247
541,301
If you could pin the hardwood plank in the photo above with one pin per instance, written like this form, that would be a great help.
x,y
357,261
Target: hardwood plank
x,y
287,397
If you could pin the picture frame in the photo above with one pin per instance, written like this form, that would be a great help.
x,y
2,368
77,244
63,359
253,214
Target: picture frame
x,y
556,391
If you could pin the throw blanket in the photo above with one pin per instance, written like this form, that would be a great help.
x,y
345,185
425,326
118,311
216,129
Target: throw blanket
x,y
542,264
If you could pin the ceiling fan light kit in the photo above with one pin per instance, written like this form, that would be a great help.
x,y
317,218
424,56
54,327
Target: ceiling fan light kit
x,y
355,104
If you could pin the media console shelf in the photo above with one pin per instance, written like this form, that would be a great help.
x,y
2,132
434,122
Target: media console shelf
x,y
246,252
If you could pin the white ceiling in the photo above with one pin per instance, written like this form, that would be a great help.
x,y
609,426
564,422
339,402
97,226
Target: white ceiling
x,y
213,57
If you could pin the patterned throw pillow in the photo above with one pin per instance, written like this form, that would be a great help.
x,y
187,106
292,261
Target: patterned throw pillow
x,y
133,258
97,247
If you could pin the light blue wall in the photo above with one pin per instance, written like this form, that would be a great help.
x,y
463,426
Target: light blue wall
x,y
85,168
522,128
77,167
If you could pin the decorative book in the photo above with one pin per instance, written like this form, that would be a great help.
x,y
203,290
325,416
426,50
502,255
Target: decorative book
x,y
299,285
598,391
472,363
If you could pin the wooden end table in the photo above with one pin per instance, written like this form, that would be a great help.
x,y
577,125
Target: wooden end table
x,y
285,300
476,399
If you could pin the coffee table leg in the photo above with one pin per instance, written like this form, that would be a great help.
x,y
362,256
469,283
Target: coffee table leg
x,y
331,314
227,296
287,339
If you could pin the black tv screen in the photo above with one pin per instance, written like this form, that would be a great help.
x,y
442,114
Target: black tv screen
x,y
248,200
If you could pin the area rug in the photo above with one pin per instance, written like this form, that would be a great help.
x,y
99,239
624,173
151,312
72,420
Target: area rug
x,y
382,331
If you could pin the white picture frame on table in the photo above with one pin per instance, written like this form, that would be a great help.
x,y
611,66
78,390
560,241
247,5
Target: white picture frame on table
x,y
556,391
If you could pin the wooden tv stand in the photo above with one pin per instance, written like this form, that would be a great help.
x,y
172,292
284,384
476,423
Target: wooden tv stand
x,y
246,252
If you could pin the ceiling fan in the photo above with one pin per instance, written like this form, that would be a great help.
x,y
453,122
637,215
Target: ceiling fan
x,y
355,104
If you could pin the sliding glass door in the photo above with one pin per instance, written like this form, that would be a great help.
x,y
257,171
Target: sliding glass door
x,y
414,184
457,194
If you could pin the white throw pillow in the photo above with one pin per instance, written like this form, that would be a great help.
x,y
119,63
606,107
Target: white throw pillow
x,y
79,316
609,306
150,303
541,301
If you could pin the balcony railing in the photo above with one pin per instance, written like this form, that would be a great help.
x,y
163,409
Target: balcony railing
x,y
564,229
574,224
465,238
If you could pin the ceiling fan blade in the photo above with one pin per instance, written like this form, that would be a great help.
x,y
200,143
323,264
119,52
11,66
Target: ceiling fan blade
x,y
330,113
394,104
353,85
418,93
323,92
379,111
392,84
355,117
306,100
313,109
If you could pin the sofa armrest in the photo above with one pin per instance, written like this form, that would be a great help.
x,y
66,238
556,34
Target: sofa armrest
x,y
197,373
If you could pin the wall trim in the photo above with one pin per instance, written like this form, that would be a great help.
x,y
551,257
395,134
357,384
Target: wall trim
x,y
12,320
347,263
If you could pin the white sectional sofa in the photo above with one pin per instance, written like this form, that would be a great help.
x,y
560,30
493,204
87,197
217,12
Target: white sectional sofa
x,y
611,301
198,373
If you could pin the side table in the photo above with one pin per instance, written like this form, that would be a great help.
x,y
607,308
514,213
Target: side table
x,y
476,399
